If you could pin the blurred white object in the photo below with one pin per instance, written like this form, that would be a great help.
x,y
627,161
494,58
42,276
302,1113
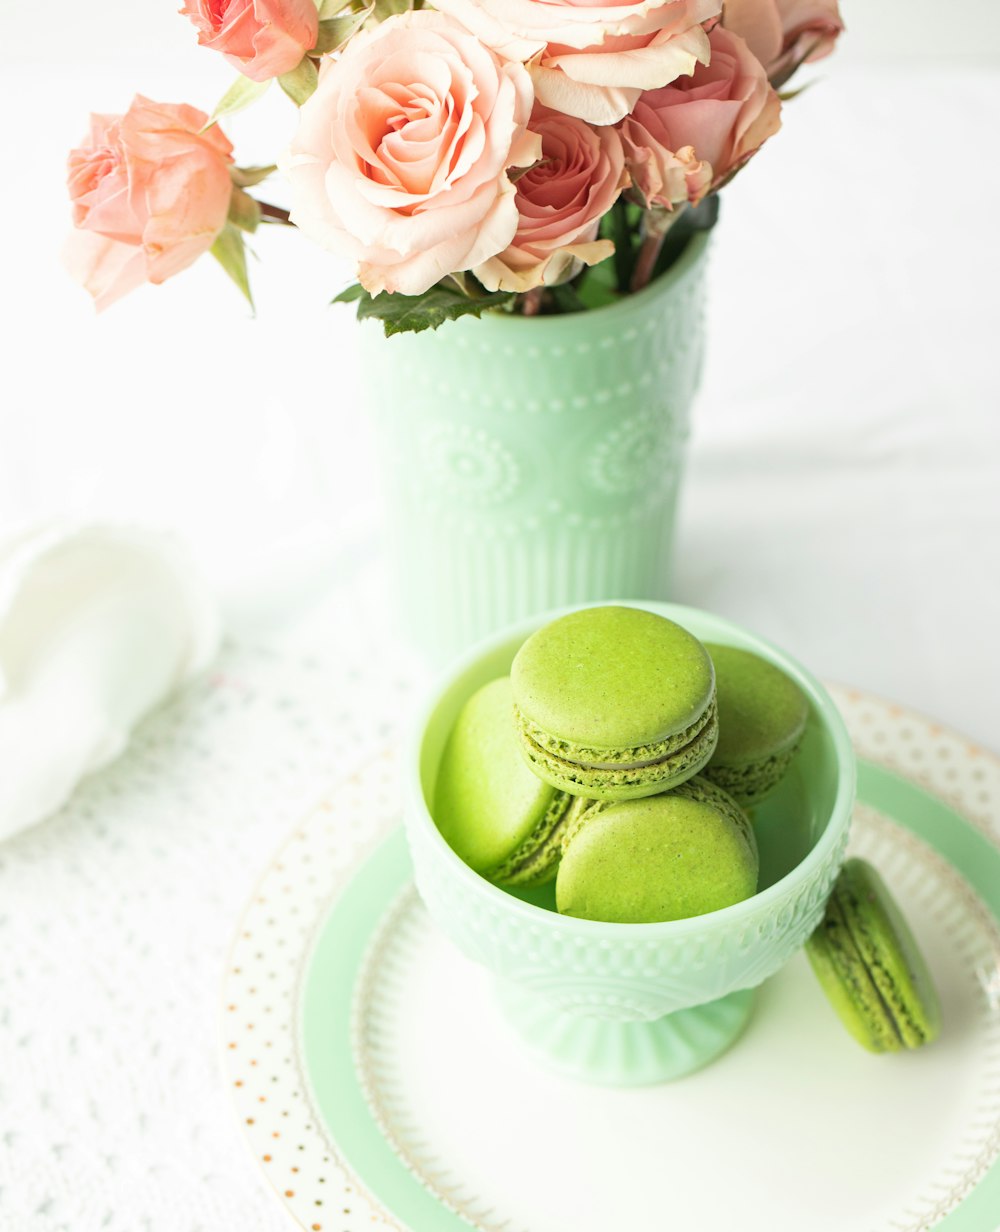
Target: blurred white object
x,y
98,624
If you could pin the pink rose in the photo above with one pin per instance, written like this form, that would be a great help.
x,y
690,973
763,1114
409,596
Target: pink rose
x,y
592,60
150,193
560,203
261,38
783,34
400,162
687,138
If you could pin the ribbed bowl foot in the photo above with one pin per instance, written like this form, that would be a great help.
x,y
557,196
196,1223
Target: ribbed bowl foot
x,y
625,1054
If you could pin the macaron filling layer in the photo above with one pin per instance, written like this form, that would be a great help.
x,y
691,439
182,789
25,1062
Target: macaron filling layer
x,y
535,860
581,812
675,757
845,977
911,1025
589,757
753,781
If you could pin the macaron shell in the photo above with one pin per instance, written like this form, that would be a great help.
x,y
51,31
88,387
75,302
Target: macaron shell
x,y
844,979
869,965
890,952
582,810
612,678
487,802
753,783
704,790
762,718
535,861
666,857
576,816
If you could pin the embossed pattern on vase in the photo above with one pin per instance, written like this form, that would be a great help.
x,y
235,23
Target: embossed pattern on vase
x,y
533,464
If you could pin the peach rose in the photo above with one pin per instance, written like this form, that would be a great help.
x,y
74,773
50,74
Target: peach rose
x,y
687,138
783,34
593,60
560,203
400,161
261,38
150,193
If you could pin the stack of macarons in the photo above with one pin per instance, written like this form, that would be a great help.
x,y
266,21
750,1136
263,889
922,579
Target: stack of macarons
x,y
617,758
620,758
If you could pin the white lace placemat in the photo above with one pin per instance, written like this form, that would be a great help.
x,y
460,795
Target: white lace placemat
x,y
115,920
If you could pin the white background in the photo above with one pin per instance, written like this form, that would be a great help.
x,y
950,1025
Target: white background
x,y
842,487
843,498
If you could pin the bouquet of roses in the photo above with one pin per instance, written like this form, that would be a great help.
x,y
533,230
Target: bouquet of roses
x,y
523,155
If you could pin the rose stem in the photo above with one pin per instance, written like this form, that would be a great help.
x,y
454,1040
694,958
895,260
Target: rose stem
x,y
275,213
532,302
646,261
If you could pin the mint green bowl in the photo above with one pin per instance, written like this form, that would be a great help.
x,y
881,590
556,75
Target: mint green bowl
x,y
629,1004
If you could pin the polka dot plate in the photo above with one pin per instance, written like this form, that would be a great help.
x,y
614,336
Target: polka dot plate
x,y
379,1088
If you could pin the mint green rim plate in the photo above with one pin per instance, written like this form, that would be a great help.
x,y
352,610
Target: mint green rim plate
x,y
325,1152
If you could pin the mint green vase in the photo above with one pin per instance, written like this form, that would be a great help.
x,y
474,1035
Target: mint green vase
x,y
529,463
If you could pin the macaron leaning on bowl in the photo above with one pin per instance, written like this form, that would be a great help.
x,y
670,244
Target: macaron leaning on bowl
x,y
501,819
614,703
870,967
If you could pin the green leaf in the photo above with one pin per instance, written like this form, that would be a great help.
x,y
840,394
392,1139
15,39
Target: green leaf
x,y
244,211
566,298
401,314
350,295
701,217
240,94
230,252
622,230
597,285
247,177
336,31
330,8
300,82
389,8
704,215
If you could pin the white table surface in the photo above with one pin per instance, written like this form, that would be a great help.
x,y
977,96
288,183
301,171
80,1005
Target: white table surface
x,y
842,498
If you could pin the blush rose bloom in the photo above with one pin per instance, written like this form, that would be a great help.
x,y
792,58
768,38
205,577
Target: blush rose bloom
x,y
783,34
261,38
560,203
592,60
400,161
689,137
150,193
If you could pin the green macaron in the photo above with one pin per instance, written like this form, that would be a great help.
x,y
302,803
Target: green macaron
x,y
614,703
762,718
667,857
501,819
870,967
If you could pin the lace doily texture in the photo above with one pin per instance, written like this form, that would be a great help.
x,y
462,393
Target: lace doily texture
x,y
115,920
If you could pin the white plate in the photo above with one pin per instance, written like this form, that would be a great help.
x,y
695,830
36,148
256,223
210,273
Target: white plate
x,y
354,1032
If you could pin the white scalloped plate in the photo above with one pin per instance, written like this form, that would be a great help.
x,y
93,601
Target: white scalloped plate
x,y
359,1044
